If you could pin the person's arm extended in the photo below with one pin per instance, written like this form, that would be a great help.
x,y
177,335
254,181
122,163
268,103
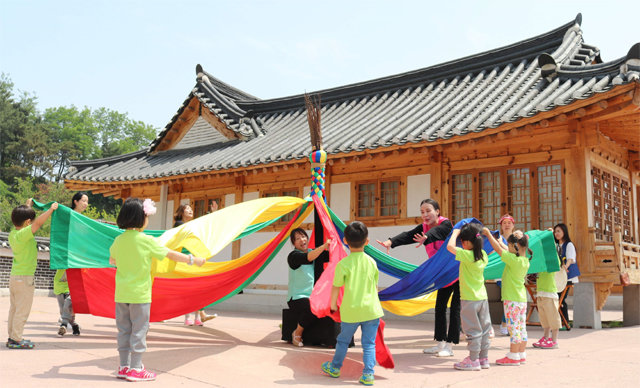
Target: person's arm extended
x,y
42,218
438,232
494,243
311,256
181,257
451,246
403,238
335,291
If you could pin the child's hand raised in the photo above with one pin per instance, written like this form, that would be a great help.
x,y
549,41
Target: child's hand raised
x,y
486,231
54,206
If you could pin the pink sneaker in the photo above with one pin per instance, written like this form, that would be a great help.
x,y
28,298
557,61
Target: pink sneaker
x,y
122,372
484,363
197,322
140,375
540,342
188,322
523,360
508,362
467,364
549,344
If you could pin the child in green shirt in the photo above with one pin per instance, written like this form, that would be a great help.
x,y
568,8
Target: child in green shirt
x,y
514,294
25,259
132,253
360,307
474,306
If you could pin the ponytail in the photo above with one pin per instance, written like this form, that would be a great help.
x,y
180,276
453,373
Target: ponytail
x,y
471,232
522,242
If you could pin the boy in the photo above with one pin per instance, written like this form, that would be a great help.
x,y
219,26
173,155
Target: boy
x,y
25,258
360,307
547,302
61,290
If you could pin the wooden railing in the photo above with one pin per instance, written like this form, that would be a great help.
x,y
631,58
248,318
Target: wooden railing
x,y
609,260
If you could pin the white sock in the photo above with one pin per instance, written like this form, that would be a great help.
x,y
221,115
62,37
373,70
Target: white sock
x,y
514,356
523,355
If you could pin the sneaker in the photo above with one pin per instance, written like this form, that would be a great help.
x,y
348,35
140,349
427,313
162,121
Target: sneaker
x,y
62,330
523,360
140,375
540,342
204,317
188,322
508,362
484,363
122,372
504,330
76,329
435,349
366,379
23,344
446,351
549,344
330,370
197,322
467,364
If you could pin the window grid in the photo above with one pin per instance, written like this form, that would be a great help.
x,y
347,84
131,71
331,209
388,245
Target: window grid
x,y
549,196
462,196
489,196
519,196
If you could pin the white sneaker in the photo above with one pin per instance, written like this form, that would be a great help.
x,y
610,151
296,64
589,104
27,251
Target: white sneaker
x,y
446,352
504,330
436,349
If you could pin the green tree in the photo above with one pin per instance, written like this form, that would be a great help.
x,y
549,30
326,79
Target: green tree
x,y
119,134
24,143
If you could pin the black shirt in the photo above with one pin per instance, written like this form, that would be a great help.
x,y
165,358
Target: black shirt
x,y
437,233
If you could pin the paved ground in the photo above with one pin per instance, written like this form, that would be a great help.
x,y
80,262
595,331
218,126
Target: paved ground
x,y
244,350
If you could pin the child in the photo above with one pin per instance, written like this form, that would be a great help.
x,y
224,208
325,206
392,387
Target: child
x,y
25,259
360,307
567,254
132,253
474,306
61,290
514,295
547,302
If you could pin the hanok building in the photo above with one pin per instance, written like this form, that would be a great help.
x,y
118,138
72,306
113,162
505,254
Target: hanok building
x,y
542,129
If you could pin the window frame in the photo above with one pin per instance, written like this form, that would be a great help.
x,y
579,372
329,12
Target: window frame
x,y
355,189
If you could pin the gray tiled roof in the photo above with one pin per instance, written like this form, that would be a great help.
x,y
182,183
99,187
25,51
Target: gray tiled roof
x,y
439,102
41,242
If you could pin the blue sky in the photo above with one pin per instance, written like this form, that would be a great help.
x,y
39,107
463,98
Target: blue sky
x,y
139,57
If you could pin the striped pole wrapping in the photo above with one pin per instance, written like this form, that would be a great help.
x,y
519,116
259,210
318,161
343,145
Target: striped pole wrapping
x,y
318,159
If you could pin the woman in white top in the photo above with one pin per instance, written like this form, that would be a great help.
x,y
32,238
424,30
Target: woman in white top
x,y
567,254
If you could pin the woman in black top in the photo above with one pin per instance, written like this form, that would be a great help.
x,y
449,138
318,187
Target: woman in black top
x,y
432,233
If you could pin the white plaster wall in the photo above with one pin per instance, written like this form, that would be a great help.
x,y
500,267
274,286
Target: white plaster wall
x,y
340,201
418,188
250,195
169,219
229,199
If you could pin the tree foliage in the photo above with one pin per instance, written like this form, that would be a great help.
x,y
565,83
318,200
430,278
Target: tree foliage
x,y
36,148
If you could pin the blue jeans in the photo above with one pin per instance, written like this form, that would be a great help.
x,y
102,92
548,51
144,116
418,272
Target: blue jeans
x,y
347,330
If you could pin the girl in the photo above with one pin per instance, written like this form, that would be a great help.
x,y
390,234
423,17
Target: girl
x,y
474,307
132,253
506,225
431,234
514,295
567,254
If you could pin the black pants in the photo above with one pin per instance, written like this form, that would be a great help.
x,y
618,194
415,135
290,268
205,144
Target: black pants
x,y
563,307
301,308
454,314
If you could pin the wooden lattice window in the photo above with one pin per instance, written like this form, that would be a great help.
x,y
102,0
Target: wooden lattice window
x,y
462,196
549,196
489,196
534,201
282,193
519,196
202,206
378,198
611,205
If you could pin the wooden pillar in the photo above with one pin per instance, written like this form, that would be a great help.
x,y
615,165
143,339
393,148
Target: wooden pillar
x,y
438,183
238,193
577,180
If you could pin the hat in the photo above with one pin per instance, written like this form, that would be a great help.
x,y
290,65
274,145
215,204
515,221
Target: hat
x,y
506,217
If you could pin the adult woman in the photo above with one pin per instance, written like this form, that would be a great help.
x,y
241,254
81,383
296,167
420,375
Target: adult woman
x,y
567,254
301,277
432,233
79,203
184,214
506,225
